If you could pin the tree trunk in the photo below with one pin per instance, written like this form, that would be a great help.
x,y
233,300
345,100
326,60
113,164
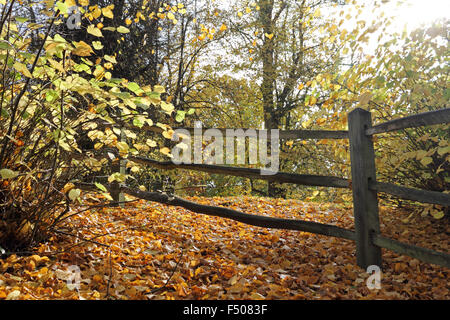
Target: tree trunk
x,y
268,81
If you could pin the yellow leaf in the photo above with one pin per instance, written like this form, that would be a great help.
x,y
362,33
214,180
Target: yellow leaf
x,y
97,45
122,147
67,187
159,89
257,296
98,72
70,3
55,64
168,134
20,67
83,2
167,107
107,12
94,31
150,143
165,151
269,36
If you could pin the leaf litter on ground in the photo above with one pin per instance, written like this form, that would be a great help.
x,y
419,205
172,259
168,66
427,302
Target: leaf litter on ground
x,y
152,251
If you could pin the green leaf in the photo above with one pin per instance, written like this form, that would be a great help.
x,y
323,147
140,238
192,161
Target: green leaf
x,y
123,29
116,176
101,187
5,45
138,123
8,174
442,151
426,161
59,39
180,116
74,194
111,59
134,87
437,214
109,28
62,7
122,95
51,95
82,67
4,113
21,19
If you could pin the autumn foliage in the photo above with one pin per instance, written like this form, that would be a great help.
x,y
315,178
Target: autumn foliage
x,y
78,102
150,251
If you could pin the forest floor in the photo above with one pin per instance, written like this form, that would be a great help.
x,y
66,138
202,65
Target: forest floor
x,y
151,251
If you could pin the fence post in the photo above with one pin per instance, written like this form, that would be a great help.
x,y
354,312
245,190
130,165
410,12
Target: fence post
x,y
365,202
118,166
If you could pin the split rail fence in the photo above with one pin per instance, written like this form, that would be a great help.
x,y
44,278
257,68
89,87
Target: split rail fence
x,y
365,187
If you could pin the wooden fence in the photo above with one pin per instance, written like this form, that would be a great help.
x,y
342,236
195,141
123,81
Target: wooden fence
x,y
369,240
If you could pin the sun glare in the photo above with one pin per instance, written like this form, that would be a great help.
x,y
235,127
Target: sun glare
x,y
413,13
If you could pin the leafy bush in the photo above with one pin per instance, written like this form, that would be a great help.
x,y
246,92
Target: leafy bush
x,y
52,97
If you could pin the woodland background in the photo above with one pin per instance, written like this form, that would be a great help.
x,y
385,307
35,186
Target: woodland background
x,y
76,102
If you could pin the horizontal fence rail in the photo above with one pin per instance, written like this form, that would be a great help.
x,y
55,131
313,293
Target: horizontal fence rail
x,y
282,177
291,134
367,235
422,254
418,120
283,134
250,219
424,196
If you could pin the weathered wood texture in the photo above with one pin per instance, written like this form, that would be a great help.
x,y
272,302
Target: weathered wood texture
x,y
422,254
254,220
425,196
283,134
282,177
292,134
367,235
365,202
418,120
